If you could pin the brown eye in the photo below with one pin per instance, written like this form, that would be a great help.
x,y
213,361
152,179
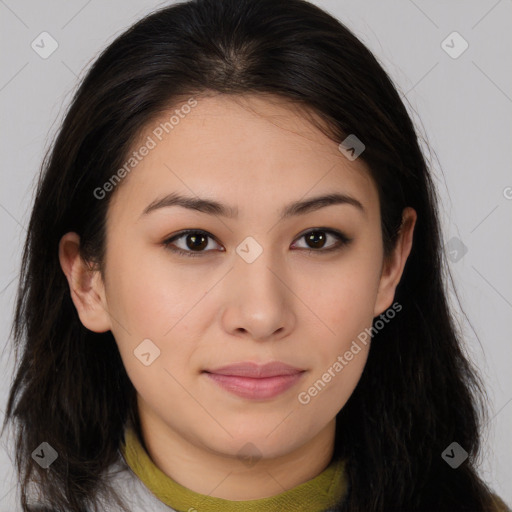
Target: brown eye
x,y
316,240
195,242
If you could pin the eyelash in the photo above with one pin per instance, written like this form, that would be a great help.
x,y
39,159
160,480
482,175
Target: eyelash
x,y
343,241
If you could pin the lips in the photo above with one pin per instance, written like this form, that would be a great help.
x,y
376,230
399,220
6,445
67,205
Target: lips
x,y
256,371
256,382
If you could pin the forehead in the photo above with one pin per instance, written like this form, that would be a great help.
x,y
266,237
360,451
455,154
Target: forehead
x,y
240,150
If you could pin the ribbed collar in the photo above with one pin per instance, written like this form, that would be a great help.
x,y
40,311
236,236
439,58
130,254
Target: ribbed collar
x,y
315,495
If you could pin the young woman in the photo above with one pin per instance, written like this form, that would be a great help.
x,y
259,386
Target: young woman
x,y
233,287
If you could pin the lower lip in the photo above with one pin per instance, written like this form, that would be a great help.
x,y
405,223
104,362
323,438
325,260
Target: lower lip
x,y
256,389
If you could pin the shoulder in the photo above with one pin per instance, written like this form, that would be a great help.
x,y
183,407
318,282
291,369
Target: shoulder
x,y
136,496
121,479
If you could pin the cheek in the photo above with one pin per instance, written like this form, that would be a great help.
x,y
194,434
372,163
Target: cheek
x,y
151,294
342,294
326,393
155,301
341,352
343,302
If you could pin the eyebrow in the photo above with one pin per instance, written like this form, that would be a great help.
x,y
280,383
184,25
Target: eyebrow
x,y
212,207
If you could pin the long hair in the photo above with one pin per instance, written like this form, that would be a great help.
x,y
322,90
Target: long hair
x,y
418,392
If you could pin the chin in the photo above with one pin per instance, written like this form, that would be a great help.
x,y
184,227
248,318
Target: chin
x,y
252,445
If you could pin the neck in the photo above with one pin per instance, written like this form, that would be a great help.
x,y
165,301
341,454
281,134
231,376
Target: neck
x,y
231,476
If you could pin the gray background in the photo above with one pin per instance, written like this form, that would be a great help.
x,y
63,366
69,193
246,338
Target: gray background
x,y
462,107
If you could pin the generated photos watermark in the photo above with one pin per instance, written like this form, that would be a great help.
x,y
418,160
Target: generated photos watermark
x,y
305,397
150,143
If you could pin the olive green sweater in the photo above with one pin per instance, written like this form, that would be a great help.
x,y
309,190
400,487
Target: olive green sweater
x,y
316,495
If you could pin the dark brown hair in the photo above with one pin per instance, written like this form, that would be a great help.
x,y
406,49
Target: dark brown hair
x,y
418,392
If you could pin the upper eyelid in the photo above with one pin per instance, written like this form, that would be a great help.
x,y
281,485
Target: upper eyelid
x,y
185,232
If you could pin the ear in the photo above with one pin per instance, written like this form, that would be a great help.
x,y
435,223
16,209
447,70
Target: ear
x,y
393,266
85,284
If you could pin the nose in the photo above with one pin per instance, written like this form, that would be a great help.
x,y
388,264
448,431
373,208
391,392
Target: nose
x,y
259,303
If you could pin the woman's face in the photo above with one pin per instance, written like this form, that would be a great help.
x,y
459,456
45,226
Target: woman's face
x,y
254,285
